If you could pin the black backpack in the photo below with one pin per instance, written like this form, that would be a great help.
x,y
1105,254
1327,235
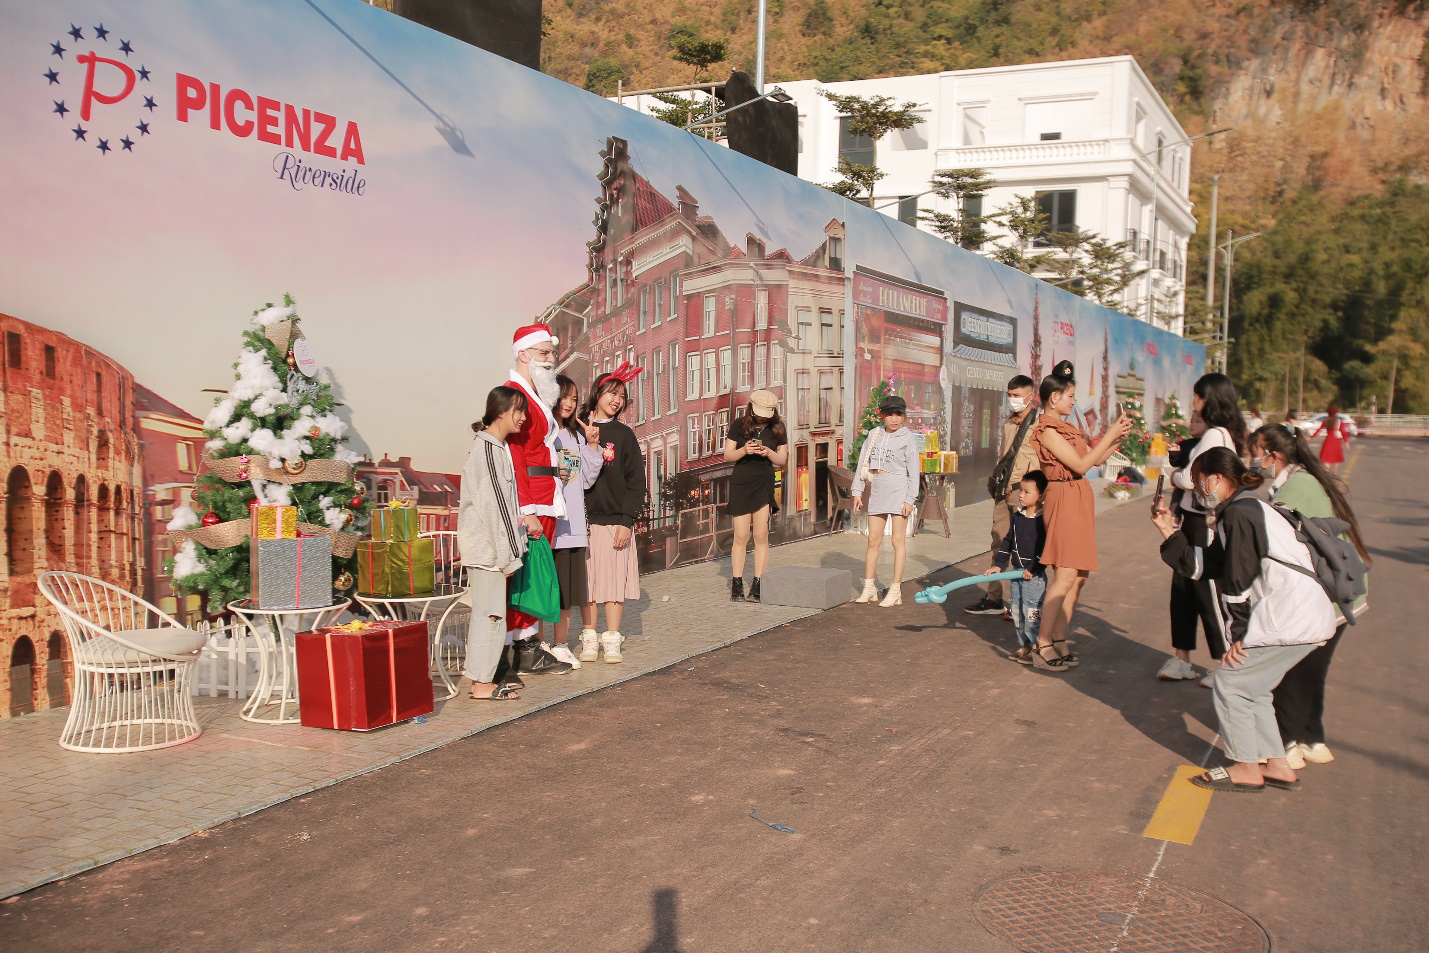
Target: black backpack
x,y
1338,567
997,484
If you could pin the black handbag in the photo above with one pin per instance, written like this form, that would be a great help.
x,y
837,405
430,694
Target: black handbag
x,y
1002,473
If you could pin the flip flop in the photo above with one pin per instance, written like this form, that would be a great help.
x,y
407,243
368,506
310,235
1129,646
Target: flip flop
x,y
505,692
1281,785
1219,779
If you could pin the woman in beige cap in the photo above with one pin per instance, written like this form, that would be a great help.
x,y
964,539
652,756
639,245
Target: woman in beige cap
x,y
755,444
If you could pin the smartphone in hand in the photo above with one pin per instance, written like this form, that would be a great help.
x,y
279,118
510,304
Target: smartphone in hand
x,y
1160,492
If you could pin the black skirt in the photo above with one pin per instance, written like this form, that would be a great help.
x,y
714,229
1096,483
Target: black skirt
x,y
751,488
571,575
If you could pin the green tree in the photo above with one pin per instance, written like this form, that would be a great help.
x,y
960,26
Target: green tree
x,y
869,419
684,111
698,52
872,117
602,75
960,186
856,181
1024,224
818,20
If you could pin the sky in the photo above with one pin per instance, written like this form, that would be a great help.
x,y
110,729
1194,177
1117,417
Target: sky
x,y
409,292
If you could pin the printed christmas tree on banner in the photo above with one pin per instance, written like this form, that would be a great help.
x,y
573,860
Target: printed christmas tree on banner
x,y
273,439
1137,445
1106,405
1173,424
870,419
1035,362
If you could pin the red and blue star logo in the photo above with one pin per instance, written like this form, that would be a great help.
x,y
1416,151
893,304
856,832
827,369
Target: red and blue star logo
x,y
85,78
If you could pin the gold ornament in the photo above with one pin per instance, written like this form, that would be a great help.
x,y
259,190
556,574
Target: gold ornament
x,y
343,582
295,466
347,517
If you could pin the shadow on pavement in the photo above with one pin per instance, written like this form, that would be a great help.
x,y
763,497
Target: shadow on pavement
x,y
664,908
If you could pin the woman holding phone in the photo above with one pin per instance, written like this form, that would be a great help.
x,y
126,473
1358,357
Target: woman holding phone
x,y
756,444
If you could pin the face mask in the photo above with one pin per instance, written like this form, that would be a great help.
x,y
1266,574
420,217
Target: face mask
x,y
1257,465
1205,499
1018,404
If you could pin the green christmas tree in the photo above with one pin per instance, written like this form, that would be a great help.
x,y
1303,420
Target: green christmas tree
x,y
274,439
1137,445
870,419
1173,423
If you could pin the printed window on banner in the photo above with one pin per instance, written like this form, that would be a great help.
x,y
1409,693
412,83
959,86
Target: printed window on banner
x,y
804,329
709,433
674,296
826,397
674,375
801,391
836,253
708,328
776,365
630,355
644,307
659,309
711,374
659,358
761,308
692,381
761,363
726,369
722,425
692,437
826,331
744,369
639,383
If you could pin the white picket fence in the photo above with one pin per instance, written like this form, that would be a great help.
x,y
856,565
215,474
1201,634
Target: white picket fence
x,y
228,665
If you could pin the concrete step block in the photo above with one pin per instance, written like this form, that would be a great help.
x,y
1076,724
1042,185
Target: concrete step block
x,y
806,586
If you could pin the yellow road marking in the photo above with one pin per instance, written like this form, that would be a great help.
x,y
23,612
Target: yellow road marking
x,y
1350,467
1178,817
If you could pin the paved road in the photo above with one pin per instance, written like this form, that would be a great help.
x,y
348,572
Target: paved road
x,y
914,763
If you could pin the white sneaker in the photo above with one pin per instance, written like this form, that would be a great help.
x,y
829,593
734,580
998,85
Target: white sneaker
x,y
1295,756
563,653
870,592
590,645
1208,680
610,644
1318,753
1176,670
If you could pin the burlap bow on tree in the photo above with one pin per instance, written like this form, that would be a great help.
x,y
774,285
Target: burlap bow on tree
x,y
234,532
282,334
313,471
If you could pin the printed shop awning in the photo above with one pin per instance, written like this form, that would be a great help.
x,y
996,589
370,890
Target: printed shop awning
x,y
984,348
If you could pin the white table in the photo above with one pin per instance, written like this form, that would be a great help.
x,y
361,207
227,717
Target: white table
x,y
422,607
274,631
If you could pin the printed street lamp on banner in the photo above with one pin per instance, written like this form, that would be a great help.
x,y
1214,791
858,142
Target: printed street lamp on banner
x,y
1228,247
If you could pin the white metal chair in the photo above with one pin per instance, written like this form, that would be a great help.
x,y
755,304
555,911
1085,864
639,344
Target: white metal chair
x,y
448,557
133,668
449,643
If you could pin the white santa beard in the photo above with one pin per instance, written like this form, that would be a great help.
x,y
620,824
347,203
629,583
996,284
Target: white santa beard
x,y
547,388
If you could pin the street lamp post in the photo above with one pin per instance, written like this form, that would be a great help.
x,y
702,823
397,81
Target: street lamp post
x,y
1155,197
776,94
1229,249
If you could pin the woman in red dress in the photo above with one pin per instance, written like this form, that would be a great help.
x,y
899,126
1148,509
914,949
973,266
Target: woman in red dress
x,y
1336,431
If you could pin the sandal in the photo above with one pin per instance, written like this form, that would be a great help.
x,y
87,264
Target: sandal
x,y
1040,661
1023,656
1219,779
1283,785
1071,659
503,692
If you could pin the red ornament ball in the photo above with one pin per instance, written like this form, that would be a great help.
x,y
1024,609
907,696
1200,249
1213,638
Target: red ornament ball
x,y
210,519
253,504
193,495
355,502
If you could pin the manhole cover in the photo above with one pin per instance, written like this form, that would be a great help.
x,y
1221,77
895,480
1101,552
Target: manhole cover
x,y
1071,911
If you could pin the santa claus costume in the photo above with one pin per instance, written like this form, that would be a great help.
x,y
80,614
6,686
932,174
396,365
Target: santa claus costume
x,y
534,457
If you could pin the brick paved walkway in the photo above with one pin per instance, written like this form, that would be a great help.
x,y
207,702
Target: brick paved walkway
x,y
65,812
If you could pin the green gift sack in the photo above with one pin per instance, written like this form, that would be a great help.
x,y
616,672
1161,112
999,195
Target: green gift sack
x,y
534,588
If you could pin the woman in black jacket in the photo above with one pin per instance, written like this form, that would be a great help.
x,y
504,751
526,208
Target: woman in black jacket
x,y
612,505
1272,608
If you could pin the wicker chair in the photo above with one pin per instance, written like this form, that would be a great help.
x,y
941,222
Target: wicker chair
x,y
133,668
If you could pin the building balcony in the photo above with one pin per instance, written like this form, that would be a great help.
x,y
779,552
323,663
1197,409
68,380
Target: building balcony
x,y
1028,153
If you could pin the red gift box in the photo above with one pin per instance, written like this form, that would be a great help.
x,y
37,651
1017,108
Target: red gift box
x,y
359,678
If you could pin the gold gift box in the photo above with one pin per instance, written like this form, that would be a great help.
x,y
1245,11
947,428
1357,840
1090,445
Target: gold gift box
x,y
274,522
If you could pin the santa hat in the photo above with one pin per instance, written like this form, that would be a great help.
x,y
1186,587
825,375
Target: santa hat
x,y
530,336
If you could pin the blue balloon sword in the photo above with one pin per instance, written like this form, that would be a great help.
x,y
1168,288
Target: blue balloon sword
x,y
939,594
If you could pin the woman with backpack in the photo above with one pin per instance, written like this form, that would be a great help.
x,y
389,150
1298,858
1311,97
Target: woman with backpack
x,y
1195,600
1275,610
1301,482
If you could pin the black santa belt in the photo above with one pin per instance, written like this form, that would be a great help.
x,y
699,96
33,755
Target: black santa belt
x,y
542,471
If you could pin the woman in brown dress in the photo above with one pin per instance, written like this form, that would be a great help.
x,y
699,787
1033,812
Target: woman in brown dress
x,y
1065,456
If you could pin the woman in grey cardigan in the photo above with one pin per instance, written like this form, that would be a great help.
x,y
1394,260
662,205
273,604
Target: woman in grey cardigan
x,y
492,537
888,463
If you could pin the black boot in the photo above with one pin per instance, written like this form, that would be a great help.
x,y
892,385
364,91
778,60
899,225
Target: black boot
x,y
533,659
504,673
754,590
736,590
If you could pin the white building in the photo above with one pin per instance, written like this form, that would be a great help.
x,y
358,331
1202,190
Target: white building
x,y
1091,139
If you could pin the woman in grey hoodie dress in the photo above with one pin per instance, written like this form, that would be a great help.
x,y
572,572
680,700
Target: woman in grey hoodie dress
x,y
888,463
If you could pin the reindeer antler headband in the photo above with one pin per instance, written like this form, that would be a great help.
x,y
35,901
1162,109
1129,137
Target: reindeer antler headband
x,y
625,373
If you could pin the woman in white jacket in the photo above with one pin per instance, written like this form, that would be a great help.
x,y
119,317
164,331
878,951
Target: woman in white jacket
x,y
888,462
1273,609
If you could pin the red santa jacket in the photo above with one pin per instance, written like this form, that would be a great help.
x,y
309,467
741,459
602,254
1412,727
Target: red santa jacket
x,y
534,446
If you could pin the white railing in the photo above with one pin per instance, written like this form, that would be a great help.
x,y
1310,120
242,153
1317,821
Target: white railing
x,y
1031,152
228,664
1405,424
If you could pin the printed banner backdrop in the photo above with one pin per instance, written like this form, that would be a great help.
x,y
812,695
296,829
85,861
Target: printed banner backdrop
x,y
175,165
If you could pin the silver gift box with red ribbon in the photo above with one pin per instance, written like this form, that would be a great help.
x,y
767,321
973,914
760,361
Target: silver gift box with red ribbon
x,y
291,573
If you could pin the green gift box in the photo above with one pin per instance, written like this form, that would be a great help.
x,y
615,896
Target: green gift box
x,y
395,522
396,567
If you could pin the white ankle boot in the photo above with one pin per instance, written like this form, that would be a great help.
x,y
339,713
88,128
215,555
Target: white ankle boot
x,y
870,591
610,643
590,645
894,596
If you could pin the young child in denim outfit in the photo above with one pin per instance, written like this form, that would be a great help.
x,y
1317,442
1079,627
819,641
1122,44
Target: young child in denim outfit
x,y
1022,549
